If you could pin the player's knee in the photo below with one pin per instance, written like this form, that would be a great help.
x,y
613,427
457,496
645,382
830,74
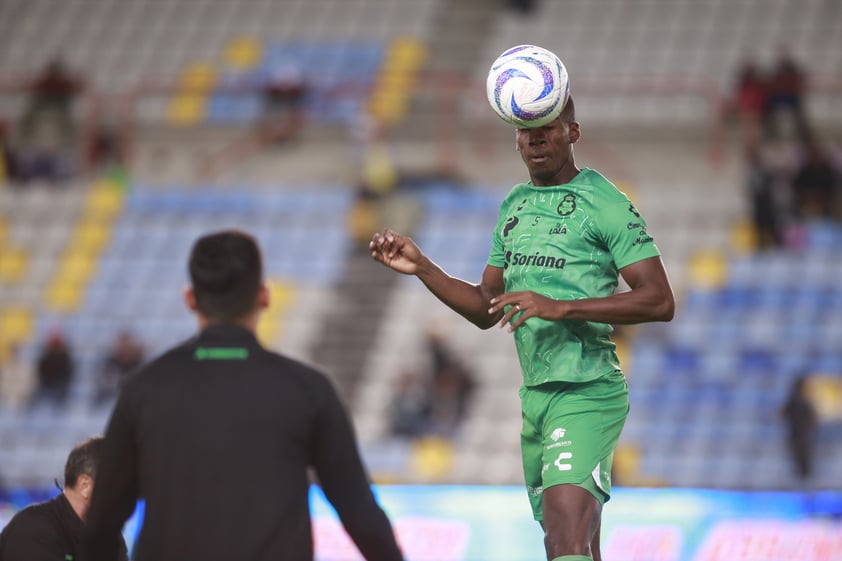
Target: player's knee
x,y
560,543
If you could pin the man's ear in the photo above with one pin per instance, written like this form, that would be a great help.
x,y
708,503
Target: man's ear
x,y
190,299
85,486
575,132
263,299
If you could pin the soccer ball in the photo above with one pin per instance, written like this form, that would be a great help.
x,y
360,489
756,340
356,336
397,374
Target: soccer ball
x,y
527,86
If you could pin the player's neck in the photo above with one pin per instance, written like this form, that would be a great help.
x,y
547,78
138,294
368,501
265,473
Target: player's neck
x,y
566,174
248,323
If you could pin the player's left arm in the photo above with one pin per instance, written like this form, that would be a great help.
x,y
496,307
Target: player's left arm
x,y
650,299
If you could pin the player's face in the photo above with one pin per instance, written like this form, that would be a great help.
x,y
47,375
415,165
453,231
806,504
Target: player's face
x,y
547,150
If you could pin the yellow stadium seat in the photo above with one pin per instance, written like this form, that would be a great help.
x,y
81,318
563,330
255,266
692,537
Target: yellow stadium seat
x,y
743,237
14,264
243,53
431,459
197,78
92,236
104,201
269,329
708,269
16,325
64,296
186,109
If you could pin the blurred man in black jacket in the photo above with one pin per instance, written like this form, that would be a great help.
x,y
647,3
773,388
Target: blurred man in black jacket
x,y
52,530
217,435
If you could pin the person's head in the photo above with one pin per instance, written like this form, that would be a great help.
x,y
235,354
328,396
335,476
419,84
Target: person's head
x,y
80,473
226,275
548,151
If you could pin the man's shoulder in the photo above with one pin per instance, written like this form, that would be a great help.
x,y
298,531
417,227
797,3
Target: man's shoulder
x,y
31,519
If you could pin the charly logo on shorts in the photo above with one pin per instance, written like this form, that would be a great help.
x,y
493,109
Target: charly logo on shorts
x,y
563,466
558,433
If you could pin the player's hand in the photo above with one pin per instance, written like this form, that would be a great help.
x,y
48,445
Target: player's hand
x,y
525,305
397,252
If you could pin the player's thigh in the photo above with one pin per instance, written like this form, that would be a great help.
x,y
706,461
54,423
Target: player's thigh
x,y
571,520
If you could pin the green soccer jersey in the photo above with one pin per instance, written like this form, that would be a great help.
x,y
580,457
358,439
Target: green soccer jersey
x,y
567,242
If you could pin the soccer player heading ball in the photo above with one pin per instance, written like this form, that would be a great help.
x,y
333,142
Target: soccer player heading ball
x,y
561,243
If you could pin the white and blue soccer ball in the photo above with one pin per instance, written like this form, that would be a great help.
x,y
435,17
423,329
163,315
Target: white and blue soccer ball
x,y
528,86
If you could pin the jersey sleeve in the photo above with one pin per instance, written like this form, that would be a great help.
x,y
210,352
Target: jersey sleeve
x,y
497,256
624,232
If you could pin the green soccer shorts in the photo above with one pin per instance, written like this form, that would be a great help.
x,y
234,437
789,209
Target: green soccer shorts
x,y
570,430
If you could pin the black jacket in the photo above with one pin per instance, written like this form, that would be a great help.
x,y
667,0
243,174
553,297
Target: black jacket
x,y
217,436
48,531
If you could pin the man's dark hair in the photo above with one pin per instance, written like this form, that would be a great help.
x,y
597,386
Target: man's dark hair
x,y
568,114
83,460
226,271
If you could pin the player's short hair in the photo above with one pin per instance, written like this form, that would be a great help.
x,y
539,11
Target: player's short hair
x,y
83,460
226,271
568,114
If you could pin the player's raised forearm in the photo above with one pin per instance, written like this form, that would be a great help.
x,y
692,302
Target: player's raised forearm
x,y
467,299
635,306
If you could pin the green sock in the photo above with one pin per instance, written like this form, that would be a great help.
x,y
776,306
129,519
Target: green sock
x,y
572,558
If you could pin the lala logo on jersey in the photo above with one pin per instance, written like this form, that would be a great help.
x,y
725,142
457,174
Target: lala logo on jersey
x,y
567,205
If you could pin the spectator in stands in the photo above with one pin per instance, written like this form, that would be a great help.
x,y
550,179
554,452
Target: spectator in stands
x,y
47,132
17,380
409,407
748,102
8,161
786,96
52,97
763,183
284,91
522,7
801,421
52,530
815,185
450,390
55,371
125,355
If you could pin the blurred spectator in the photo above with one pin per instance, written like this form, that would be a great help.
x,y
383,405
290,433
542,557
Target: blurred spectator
x,y
435,403
363,217
55,371
748,102
787,89
523,7
763,183
125,355
450,390
815,185
43,149
802,421
410,406
284,90
17,380
53,93
8,163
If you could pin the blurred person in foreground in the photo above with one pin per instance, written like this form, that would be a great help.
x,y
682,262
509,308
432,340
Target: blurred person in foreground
x,y
218,434
53,530
560,244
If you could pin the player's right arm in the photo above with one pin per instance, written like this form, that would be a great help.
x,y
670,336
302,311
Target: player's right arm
x,y
471,301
